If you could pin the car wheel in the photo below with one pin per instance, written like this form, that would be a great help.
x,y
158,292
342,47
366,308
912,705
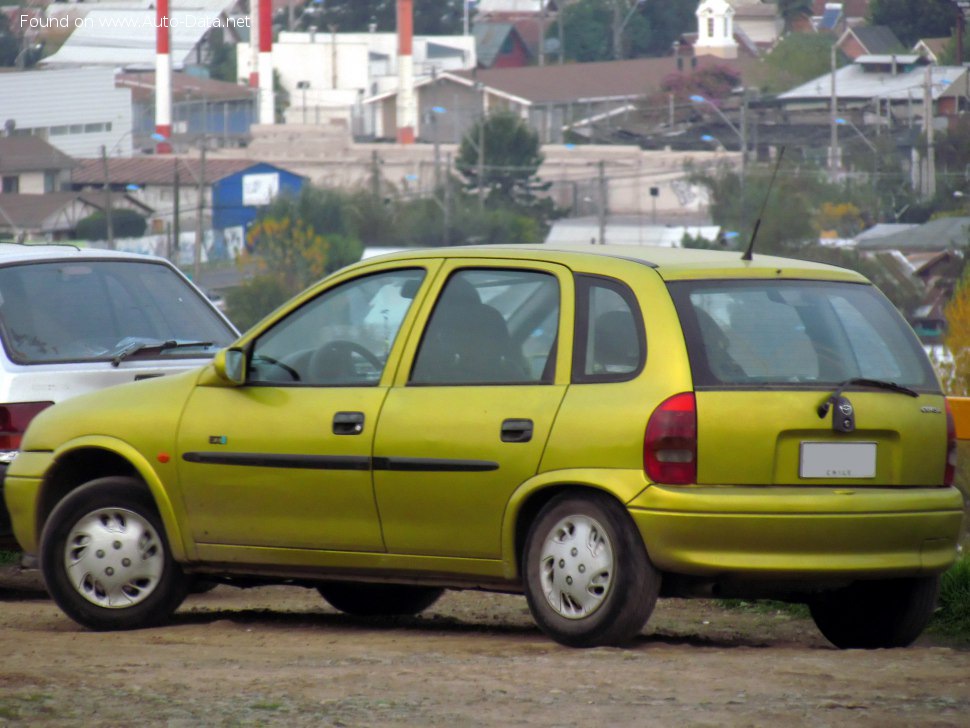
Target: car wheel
x,y
378,600
874,614
105,559
587,576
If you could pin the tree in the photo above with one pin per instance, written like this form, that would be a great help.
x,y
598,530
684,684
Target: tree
x,y
956,372
124,224
586,31
512,156
793,10
431,17
796,59
589,27
911,20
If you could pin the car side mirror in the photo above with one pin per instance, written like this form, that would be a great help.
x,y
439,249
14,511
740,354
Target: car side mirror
x,y
230,365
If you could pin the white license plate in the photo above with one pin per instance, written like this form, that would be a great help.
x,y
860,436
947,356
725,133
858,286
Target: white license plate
x,y
838,460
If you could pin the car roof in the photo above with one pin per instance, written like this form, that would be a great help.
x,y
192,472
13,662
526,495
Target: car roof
x,y
16,253
670,263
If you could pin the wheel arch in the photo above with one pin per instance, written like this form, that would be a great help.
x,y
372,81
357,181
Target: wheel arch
x,y
530,498
81,461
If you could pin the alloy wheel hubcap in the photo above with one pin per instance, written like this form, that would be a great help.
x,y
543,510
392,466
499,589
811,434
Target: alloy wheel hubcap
x,y
114,558
576,567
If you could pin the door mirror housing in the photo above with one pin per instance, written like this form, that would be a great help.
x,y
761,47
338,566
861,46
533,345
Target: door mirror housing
x,y
230,366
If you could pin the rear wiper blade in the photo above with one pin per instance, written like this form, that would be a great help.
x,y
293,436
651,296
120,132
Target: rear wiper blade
x,y
863,382
137,346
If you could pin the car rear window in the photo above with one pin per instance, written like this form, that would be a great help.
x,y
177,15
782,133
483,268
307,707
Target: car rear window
x,y
793,333
88,310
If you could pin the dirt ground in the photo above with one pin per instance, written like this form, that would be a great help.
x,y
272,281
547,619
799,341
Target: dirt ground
x,y
281,656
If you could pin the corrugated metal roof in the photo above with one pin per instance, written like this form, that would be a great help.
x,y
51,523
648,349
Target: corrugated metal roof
x,y
854,82
878,39
29,154
184,86
944,233
489,39
30,211
158,170
126,38
580,82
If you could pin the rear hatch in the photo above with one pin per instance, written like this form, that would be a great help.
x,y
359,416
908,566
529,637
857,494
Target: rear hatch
x,y
804,382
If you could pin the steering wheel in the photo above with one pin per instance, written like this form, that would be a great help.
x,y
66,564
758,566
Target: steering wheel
x,y
334,361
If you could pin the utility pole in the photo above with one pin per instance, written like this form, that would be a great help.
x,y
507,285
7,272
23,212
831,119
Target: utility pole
x,y
929,181
176,222
833,126
109,222
481,150
602,201
446,227
199,227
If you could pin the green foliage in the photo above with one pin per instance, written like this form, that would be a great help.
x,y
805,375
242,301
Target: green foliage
x,y
953,609
792,10
650,28
124,224
512,156
911,20
586,31
222,63
254,299
431,17
796,59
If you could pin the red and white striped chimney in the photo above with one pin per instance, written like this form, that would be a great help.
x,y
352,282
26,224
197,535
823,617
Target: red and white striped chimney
x,y
407,113
163,77
267,99
261,58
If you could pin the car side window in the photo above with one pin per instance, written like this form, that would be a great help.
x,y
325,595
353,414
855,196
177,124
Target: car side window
x,y
340,338
491,326
609,344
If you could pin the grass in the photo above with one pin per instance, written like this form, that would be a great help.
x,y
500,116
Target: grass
x,y
953,609
9,557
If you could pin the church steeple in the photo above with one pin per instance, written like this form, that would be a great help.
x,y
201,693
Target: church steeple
x,y
715,29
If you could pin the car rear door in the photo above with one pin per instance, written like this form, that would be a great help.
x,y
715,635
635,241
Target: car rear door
x,y
473,406
809,383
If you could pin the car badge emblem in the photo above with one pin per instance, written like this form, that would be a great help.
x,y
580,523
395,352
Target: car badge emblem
x,y
931,410
845,408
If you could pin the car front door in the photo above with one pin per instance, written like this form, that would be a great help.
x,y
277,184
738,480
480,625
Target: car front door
x,y
285,459
468,420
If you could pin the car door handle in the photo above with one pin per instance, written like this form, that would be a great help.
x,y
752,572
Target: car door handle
x,y
517,430
348,423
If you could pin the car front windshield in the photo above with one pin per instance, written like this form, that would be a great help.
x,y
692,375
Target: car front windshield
x,y
796,333
86,310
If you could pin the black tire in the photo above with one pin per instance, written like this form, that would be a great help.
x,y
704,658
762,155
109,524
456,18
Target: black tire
x,y
876,614
105,558
600,595
378,600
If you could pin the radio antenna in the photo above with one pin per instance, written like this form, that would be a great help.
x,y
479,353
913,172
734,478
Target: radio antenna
x,y
757,223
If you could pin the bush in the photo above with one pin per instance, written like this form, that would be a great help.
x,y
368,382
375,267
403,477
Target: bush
x,y
124,224
953,611
254,299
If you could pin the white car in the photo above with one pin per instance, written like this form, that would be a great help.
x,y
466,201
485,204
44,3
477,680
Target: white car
x,y
76,320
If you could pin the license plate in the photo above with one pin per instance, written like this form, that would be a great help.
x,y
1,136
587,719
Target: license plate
x,y
838,460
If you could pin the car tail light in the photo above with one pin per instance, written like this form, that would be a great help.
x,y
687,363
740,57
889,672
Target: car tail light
x,y
670,441
951,448
14,419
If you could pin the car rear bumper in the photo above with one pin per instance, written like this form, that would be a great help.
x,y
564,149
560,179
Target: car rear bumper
x,y
799,533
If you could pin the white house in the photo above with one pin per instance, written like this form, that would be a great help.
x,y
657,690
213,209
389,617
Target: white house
x,y
77,110
327,75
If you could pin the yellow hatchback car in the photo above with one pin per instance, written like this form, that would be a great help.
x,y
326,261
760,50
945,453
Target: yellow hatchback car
x,y
593,427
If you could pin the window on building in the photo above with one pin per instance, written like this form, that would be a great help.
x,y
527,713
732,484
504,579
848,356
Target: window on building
x,y
11,184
